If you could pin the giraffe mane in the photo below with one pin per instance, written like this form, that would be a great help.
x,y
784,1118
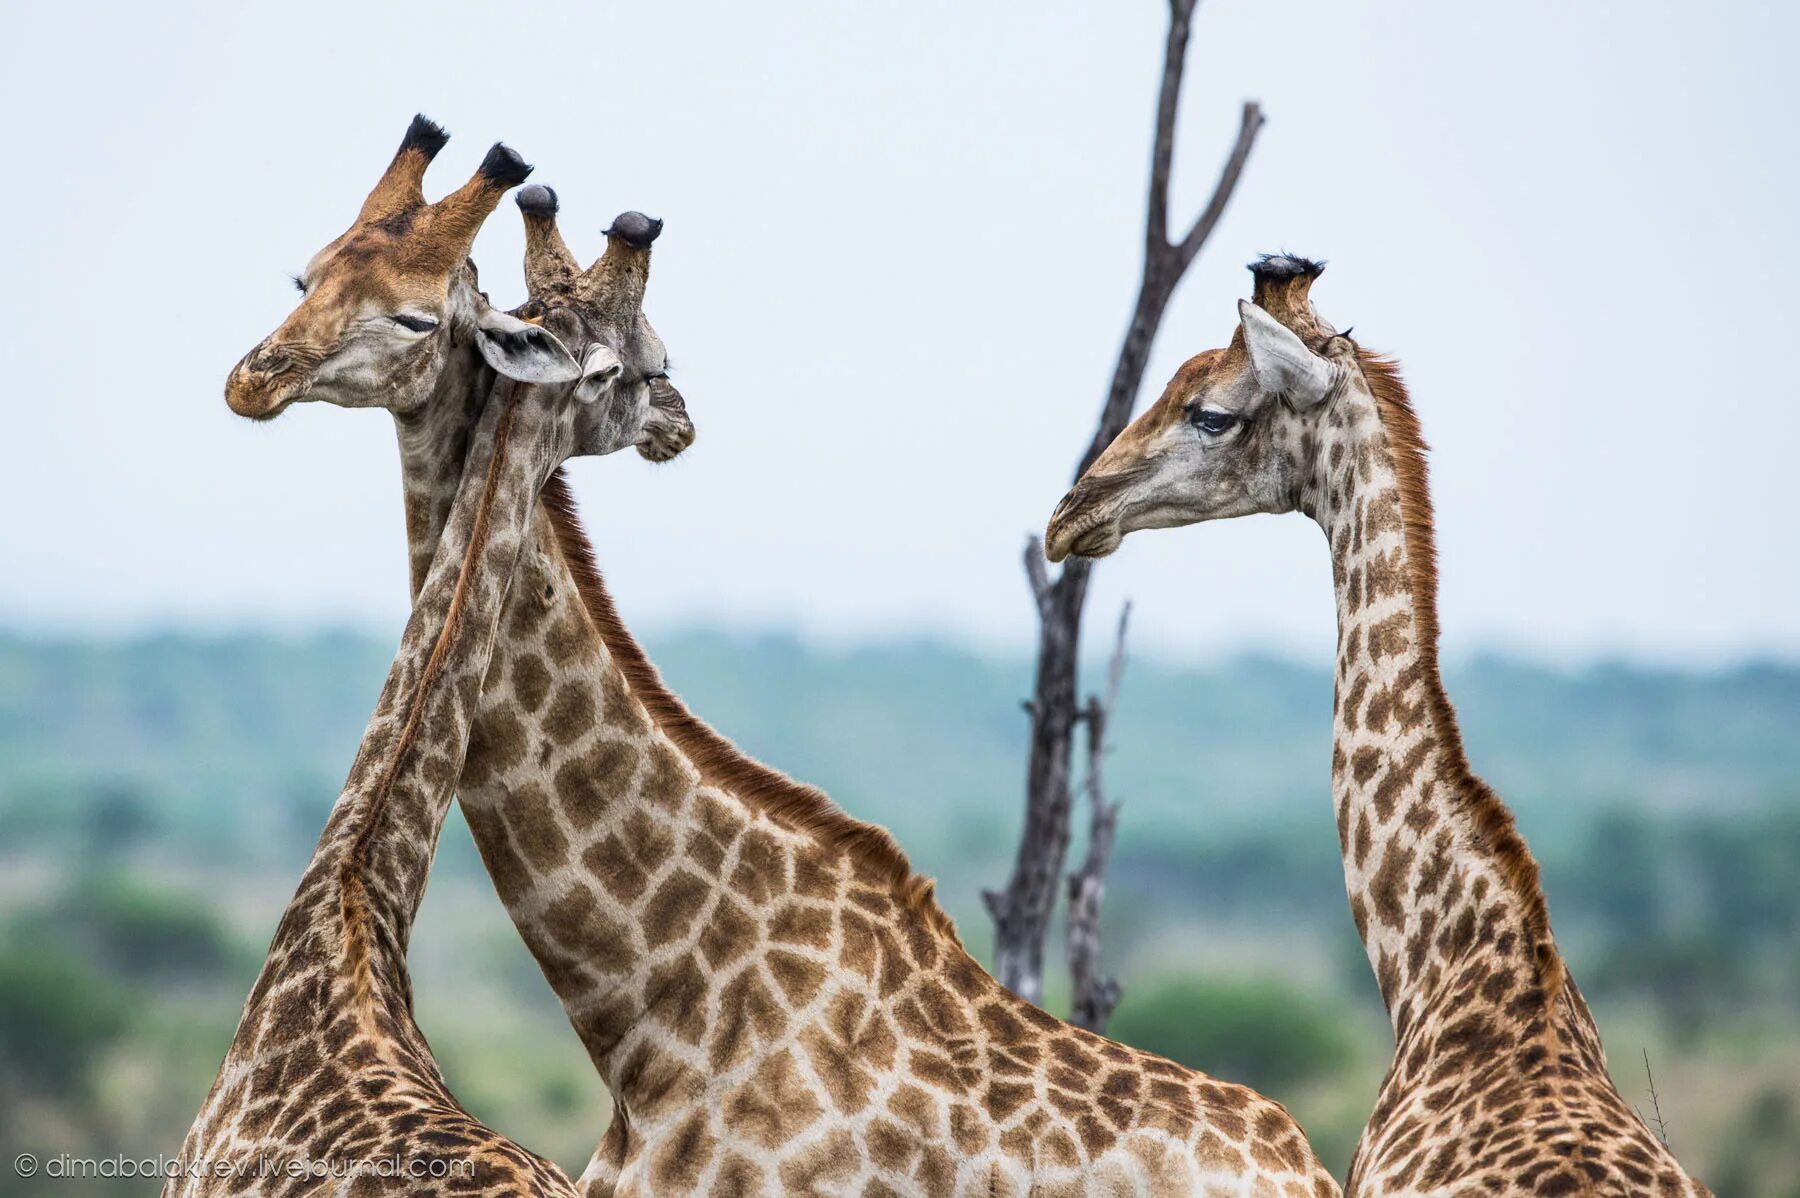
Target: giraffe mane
x,y
719,762
1493,820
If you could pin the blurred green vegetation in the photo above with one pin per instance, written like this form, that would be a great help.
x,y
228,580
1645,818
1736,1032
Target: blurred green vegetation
x,y
158,797
1269,1035
55,1019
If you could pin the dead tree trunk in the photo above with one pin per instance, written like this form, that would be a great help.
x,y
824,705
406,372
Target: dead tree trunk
x,y
1021,911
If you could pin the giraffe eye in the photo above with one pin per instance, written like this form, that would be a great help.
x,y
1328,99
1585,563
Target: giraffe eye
x,y
418,324
1212,421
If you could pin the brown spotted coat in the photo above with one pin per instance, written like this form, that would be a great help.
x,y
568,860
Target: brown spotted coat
x,y
774,998
329,1086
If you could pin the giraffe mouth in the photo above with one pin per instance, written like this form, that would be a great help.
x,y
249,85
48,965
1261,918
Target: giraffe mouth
x,y
1096,537
264,395
661,444
1089,520
669,429
1099,541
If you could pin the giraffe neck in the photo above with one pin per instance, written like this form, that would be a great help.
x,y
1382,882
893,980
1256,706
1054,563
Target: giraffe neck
x,y
434,443
375,854
327,1061
748,967
1438,877
634,848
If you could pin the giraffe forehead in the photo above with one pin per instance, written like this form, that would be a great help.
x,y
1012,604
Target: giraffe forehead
x,y
379,260
1207,375
334,302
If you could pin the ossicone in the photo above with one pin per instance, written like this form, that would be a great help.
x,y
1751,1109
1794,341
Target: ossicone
x,y
1283,286
635,229
550,268
1284,266
537,200
424,135
397,190
503,167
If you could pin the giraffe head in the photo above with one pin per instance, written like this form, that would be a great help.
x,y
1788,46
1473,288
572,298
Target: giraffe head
x,y
1235,432
605,303
386,301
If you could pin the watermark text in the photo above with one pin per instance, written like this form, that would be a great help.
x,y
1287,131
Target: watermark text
x,y
64,1166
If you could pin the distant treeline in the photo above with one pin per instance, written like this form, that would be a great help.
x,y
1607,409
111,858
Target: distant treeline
x,y
222,733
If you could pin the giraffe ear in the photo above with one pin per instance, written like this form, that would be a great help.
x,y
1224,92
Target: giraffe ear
x,y
1283,364
600,368
520,350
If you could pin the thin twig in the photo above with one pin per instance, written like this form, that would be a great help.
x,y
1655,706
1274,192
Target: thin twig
x,y
1250,122
1115,668
1662,1127
1095,995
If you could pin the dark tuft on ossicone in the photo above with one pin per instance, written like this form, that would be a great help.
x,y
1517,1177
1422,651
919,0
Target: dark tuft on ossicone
x,y
634,228
1286,266
504,167
537,200
424,135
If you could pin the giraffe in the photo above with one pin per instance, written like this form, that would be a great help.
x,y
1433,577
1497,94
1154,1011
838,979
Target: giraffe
x,y
392,314
773,997
1498,1084
329,1086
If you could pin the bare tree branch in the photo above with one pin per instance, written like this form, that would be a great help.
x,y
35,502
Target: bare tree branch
x,y
1164,265
1250,123
1095,995
1021,910
1168,101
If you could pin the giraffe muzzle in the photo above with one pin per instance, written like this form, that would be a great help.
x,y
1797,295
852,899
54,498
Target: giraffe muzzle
x,y
264,382
1086,522
669,430
270,361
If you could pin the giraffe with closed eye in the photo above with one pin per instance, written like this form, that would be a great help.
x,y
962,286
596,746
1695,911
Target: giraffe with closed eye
x,y
1498,1084
329,1086
774,998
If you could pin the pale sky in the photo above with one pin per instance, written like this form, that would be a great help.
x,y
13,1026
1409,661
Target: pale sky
x,y
901,245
